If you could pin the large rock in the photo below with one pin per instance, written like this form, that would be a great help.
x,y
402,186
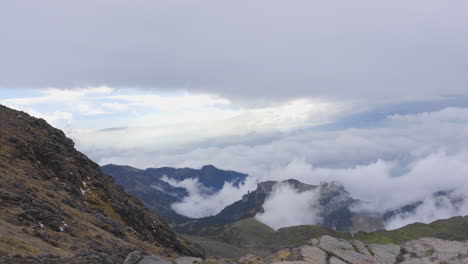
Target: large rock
x,y
313,255
360,247
435,249
386,254
344,250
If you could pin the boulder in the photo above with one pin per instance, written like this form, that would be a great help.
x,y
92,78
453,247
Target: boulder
x,y
361,248
344,250
313,255
386,254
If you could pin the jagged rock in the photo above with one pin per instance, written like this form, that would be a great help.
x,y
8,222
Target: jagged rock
x,y
344,250
187,260
313,255
386,254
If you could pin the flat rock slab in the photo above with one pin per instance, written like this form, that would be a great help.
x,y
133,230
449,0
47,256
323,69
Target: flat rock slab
x,y
313,255
334,260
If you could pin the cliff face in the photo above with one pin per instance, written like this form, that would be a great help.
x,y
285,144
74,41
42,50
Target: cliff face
x,y
55,203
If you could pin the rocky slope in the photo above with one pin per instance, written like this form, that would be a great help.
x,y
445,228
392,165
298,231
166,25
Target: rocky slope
x,y
158,195
331,250
56,206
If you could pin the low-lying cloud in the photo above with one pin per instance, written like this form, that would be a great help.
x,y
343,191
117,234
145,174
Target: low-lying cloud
x,y
202,201
433,208
407,158
285,206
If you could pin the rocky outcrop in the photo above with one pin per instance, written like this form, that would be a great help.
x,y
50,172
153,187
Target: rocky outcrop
x,y
434,250
330,250
56,205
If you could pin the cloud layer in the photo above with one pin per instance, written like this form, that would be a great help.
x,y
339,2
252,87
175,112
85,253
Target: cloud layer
x,y
406,158
364,49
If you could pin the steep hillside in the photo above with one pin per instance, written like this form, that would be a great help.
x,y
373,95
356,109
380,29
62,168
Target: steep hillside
x,y
158,195
56,205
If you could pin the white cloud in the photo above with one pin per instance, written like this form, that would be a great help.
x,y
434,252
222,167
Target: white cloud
x,y
173,103
433,208
287,207
201,200
180,127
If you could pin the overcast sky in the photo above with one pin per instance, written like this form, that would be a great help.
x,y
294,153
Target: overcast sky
x,y
313,90
359,49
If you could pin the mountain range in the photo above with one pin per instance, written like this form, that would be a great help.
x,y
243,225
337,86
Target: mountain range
x,y
157,194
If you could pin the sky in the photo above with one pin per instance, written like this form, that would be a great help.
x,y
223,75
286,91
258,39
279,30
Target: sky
x,y
371,94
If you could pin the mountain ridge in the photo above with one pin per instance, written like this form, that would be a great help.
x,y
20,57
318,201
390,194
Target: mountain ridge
x,y
150,187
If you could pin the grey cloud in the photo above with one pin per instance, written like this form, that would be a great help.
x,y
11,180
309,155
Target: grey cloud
x,y
361,49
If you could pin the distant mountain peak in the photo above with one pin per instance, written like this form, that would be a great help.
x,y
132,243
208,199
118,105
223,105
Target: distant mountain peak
x,y
155,190
209,167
